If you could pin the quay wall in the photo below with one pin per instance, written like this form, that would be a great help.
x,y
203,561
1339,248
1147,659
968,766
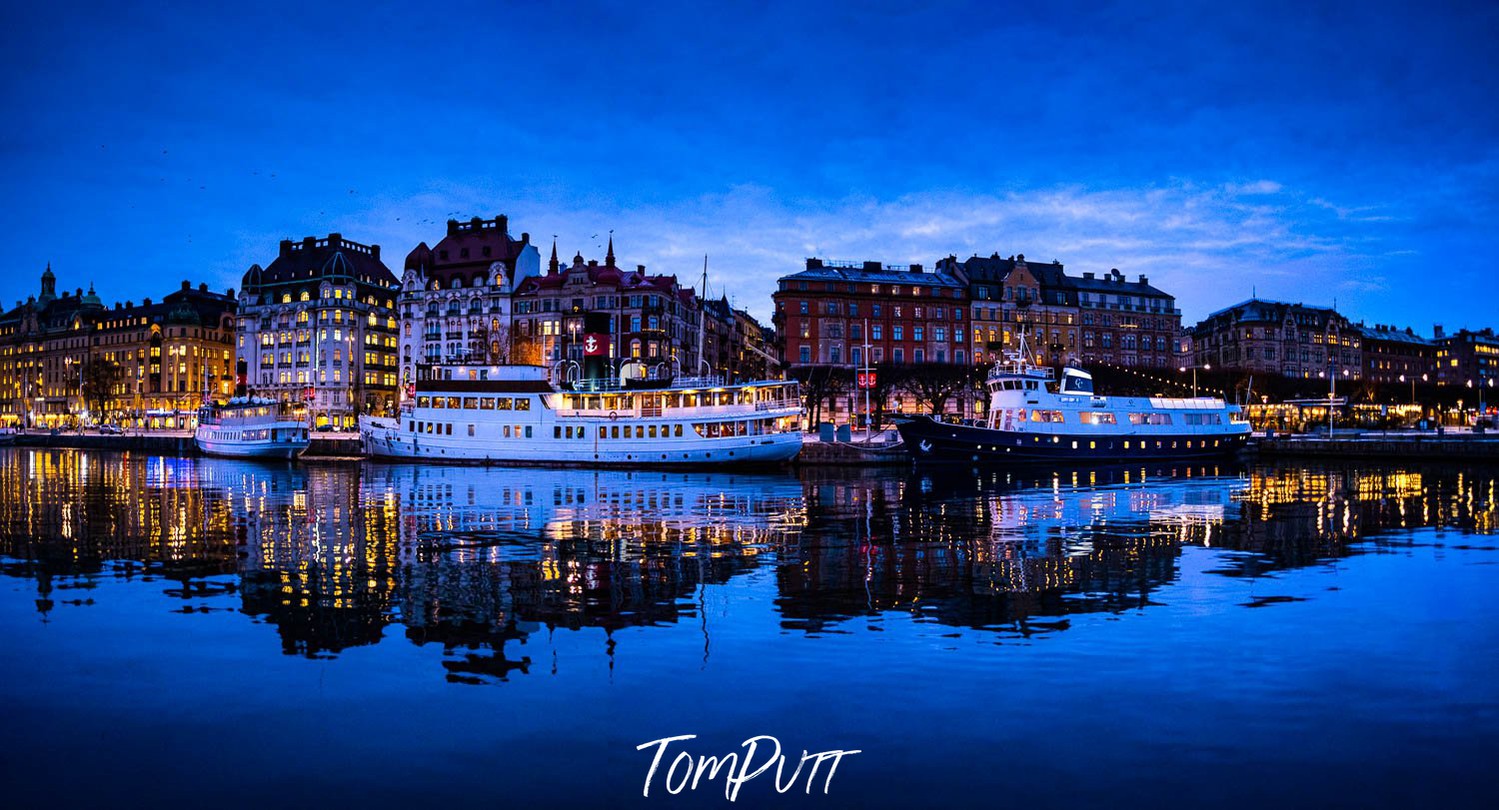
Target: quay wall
x,y
1427,447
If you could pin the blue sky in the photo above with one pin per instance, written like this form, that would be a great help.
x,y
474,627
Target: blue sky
x,y
1311,152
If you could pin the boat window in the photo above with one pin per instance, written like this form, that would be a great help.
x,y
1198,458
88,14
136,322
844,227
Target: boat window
x,y
1030,385
614,432
1042,415
423,402
556,431
528,431
471,430
1150,419
679,431
471,403
502,404
449,431
522,404
454,403
652,431
603,432
1096,418
486,404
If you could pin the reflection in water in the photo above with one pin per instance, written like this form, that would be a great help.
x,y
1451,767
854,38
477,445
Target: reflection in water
x,y
476,561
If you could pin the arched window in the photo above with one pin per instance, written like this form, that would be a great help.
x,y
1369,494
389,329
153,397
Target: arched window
x,y
432,310
457,282
474,306
453,307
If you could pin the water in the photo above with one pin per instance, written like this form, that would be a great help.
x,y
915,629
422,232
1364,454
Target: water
x,y
236,634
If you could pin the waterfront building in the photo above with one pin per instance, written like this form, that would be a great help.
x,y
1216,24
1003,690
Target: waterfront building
x,y
1466,356
455,296
1394,355
754,345
1087,319
1273,337
913,316
319,323
159,359
644,325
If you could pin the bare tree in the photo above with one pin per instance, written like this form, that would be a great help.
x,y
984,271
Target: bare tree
x,y
933,384
100,377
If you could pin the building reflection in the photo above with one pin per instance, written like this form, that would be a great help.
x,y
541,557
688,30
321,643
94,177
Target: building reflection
x,y
477,562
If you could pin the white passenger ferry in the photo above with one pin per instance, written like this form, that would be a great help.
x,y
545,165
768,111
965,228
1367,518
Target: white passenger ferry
x,y
514,414
1032,417
253,427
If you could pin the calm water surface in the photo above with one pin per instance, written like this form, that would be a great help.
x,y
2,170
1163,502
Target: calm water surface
x,y
234,634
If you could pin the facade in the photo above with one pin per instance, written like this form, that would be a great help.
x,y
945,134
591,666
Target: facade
x,y
319,323
170,355
1393,355
912,316
1467,357
755,359
455,296
1272,337
650,321
1090,319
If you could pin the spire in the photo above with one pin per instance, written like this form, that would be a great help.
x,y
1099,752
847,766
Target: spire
x,y
552,265
49,285
609,257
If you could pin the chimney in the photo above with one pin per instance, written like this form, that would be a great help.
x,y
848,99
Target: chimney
x,y
1143,279
203,287
452,227
640,268
525,238
145,302
309,242
375,251
1436,331
187,285
285,246
916,268
814,264
503,223
1088,275
335,241
872,267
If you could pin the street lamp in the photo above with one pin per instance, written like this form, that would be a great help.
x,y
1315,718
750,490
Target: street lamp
x,y
1204,367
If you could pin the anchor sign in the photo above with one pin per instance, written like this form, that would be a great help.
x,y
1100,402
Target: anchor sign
x,y
926,446
595,344
591,345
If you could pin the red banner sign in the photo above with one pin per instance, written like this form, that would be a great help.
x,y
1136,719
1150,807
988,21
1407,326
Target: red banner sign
x,y
595,344
865,379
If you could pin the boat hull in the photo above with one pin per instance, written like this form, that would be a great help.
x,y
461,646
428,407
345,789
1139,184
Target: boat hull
x,y
228,449
384,438
930,441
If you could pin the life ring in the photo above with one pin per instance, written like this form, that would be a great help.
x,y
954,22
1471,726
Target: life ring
x,y
613,416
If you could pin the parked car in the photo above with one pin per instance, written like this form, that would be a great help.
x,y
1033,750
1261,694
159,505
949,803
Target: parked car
x,y
111,430
325,428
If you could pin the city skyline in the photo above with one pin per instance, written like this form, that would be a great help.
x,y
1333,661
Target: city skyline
x,y
1292,153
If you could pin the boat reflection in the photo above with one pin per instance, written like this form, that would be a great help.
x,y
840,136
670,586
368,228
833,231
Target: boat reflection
x,y
477,561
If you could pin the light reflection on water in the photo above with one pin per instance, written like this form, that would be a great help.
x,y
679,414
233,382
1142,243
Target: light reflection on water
x,y
482,568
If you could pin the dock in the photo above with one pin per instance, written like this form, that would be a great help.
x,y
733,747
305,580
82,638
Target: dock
x,y
179,443
1404,445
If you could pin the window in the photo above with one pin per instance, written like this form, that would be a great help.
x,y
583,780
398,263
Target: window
x,y
806,354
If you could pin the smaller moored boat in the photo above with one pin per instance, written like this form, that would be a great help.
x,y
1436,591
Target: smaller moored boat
x,y
1034,417
253,427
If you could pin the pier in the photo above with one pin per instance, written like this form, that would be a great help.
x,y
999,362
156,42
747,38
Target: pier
x,y
1425,445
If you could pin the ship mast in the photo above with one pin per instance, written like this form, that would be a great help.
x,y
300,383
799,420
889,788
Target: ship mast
x,y
702,318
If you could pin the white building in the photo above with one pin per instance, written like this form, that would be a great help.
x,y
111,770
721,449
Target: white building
x,y
320,324
455,296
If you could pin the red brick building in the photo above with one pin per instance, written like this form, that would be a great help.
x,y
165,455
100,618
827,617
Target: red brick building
x,y
911,316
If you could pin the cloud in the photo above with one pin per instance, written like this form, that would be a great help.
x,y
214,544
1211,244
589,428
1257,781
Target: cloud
x,y
1203,244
